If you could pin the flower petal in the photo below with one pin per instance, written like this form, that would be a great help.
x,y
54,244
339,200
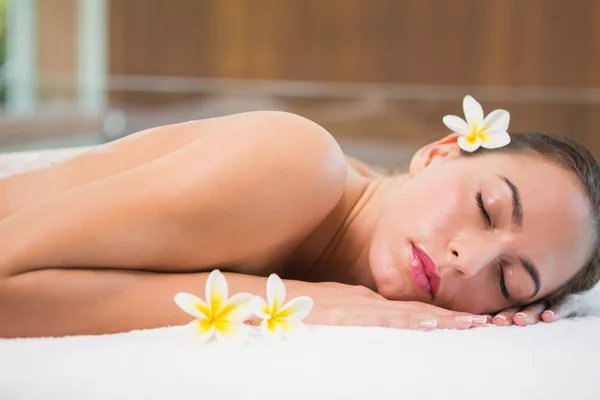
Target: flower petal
x,y
260,307
275,293
456,124
231,331
473,111
237,308
497,120
464,144
204,329
270,329
494,140
216,290
292,328
192,305
297,308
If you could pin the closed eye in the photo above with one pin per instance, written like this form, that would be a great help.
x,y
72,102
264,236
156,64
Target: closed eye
x,y
484,213
488,221
503,288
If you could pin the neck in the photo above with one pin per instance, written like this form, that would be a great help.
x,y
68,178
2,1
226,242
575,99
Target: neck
x,y
346,257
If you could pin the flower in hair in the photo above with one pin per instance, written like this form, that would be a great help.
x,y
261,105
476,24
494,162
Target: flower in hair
x,y
219,316
281,319
475,130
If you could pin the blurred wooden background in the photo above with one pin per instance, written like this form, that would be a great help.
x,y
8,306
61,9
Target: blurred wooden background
x,y
537,58
507,43
469,42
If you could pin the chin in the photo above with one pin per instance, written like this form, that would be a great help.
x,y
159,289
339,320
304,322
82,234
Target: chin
x,y
391,273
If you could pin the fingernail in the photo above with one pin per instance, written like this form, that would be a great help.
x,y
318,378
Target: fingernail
x,y
480,319
521,314
464,318
500,316
551,313
432,323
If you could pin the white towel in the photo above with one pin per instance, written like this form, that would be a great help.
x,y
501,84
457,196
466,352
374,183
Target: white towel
x,y
543,361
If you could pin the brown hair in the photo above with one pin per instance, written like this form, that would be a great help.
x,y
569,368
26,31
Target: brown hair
x,y
579,160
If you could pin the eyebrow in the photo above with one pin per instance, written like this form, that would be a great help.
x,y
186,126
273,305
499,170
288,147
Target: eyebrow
x,y
517,219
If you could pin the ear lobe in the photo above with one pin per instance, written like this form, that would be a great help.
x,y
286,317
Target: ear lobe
x,y
444,148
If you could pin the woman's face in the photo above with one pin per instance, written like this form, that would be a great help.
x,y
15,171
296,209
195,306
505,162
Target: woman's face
x,y
534,226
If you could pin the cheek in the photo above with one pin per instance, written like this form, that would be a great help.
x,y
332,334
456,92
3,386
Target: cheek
x,y
477,295
432,205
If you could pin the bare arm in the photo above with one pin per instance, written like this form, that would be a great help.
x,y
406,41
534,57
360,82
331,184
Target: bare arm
x,y
53,302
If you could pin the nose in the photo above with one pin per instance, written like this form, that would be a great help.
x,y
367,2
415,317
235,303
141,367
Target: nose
x,y
470,253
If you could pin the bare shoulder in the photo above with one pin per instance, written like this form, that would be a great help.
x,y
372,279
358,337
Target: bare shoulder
x,y
297,155
281,131
273,177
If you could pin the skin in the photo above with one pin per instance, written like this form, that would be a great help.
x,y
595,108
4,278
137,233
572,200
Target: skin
x,y
100,243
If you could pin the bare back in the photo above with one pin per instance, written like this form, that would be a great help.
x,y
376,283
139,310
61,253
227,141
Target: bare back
x,y
231,157
242,193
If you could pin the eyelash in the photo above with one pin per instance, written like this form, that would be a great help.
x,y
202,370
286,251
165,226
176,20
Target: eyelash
x,y
484,213
488,221
503,288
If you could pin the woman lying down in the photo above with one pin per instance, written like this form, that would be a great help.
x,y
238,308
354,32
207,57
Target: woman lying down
x,y
482,224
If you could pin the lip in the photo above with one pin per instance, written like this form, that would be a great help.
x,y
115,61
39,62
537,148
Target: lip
x,y
424,271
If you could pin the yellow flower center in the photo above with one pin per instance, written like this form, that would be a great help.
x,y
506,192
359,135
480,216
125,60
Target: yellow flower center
x,y
476,133
272,323
204,325
274,317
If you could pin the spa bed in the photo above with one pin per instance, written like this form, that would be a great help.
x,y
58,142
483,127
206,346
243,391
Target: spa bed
x,y
544,361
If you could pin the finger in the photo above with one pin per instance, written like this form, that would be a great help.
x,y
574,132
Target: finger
x,y
573,305
565,309
433,322
505,317
556,312
481,320
461,321
447,319
427,316
419,321
397,321
488,318
453,321
550,315
531,314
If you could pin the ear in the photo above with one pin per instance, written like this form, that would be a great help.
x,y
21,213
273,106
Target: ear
x,y
444,148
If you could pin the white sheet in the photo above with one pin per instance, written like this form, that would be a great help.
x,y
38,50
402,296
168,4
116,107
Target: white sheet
x,y
544,361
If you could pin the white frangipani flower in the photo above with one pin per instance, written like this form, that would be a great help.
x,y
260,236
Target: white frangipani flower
x,y
219,316
489,132
281,319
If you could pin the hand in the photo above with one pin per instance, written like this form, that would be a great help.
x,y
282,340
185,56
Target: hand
x,y
529,315
575,305
345,305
